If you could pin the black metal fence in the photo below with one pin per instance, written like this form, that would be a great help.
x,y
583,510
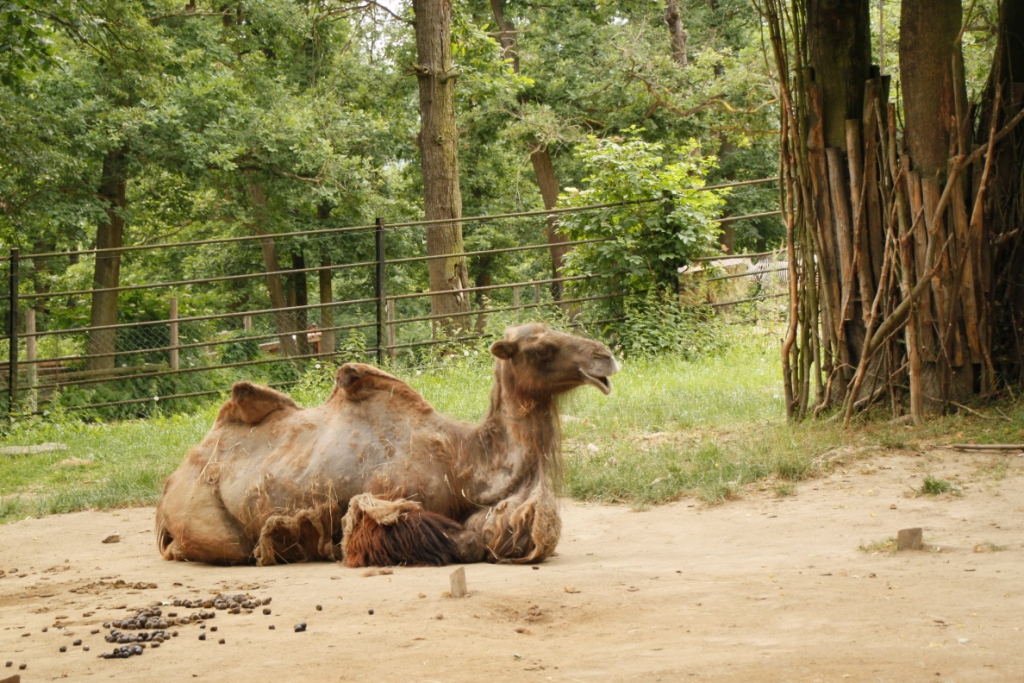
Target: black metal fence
x,y
52,350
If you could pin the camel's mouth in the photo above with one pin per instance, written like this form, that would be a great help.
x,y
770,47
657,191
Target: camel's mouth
x,y
602,383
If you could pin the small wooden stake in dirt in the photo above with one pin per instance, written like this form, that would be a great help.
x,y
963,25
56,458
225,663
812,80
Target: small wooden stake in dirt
x,y
458,578
909,539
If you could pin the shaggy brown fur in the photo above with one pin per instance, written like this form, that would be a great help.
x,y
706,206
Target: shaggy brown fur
x,y
385,533
271,480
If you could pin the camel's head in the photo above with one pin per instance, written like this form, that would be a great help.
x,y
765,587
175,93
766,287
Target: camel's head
x,y
544,361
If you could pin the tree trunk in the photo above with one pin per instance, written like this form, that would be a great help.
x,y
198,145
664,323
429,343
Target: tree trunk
x,y
839,47
506,34
439,160
300,293
540,156
282,320
676,32
928,29
1002,262
547,181
327,336
107,274
928,47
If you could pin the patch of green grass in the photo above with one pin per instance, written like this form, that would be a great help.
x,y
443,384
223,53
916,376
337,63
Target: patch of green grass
x,y
784,489
887,545
792,468
933,486
104,465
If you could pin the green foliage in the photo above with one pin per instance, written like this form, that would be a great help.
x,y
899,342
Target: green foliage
x,y
240,351
24,43
648,242
658,323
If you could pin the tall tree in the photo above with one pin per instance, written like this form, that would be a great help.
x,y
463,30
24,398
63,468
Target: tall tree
x,y
676,32
540,154
439,161
107,272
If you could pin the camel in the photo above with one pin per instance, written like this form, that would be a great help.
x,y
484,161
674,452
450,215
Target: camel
x,y
375,476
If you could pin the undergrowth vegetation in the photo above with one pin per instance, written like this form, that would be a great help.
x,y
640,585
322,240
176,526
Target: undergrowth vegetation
x,y
704,427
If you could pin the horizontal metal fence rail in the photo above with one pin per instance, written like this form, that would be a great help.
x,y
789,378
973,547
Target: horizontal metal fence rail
x,y
285,330
403,224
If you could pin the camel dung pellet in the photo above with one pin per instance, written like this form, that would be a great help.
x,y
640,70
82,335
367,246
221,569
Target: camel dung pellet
x,y
319,608
94,631
22,667
85,649
174,634
371,611
106,624
266,601
300,627
77,643
45,629
202,636
155,645
221,641
202,625
235,610
172,614
213,628
266,610
63,648
9,664
177,602
271,627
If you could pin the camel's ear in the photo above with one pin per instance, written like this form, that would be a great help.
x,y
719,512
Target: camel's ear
x,y
504,349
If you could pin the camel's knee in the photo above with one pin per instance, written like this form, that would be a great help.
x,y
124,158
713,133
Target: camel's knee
x,y
519,530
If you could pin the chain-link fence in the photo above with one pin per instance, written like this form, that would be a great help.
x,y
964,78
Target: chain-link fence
x,y
229,312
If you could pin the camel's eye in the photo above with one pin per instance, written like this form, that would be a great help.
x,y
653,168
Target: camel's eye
x,y
545,352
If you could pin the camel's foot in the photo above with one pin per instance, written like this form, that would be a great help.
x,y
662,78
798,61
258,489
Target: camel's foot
x,y
301,536
521,529
380,532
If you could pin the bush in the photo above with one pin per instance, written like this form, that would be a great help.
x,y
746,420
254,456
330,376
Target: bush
x,y
658,323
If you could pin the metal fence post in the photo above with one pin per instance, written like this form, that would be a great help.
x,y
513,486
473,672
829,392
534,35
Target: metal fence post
x,y
30,357
12,326
382,296
173,316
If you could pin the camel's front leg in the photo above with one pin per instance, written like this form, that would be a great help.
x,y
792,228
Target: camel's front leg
x,y
523,528
192,523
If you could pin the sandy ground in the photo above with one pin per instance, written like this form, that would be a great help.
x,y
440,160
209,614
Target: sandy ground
x,y
758,589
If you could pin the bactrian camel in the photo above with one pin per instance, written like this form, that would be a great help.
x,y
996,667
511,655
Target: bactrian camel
x,y
375,476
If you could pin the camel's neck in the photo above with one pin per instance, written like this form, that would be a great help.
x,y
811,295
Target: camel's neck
x,y
518,442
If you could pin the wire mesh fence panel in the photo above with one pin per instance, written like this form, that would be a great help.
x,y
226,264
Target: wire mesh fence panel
x,y
184,321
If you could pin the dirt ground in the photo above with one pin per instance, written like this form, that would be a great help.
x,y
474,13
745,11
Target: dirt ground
x,y
758,589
